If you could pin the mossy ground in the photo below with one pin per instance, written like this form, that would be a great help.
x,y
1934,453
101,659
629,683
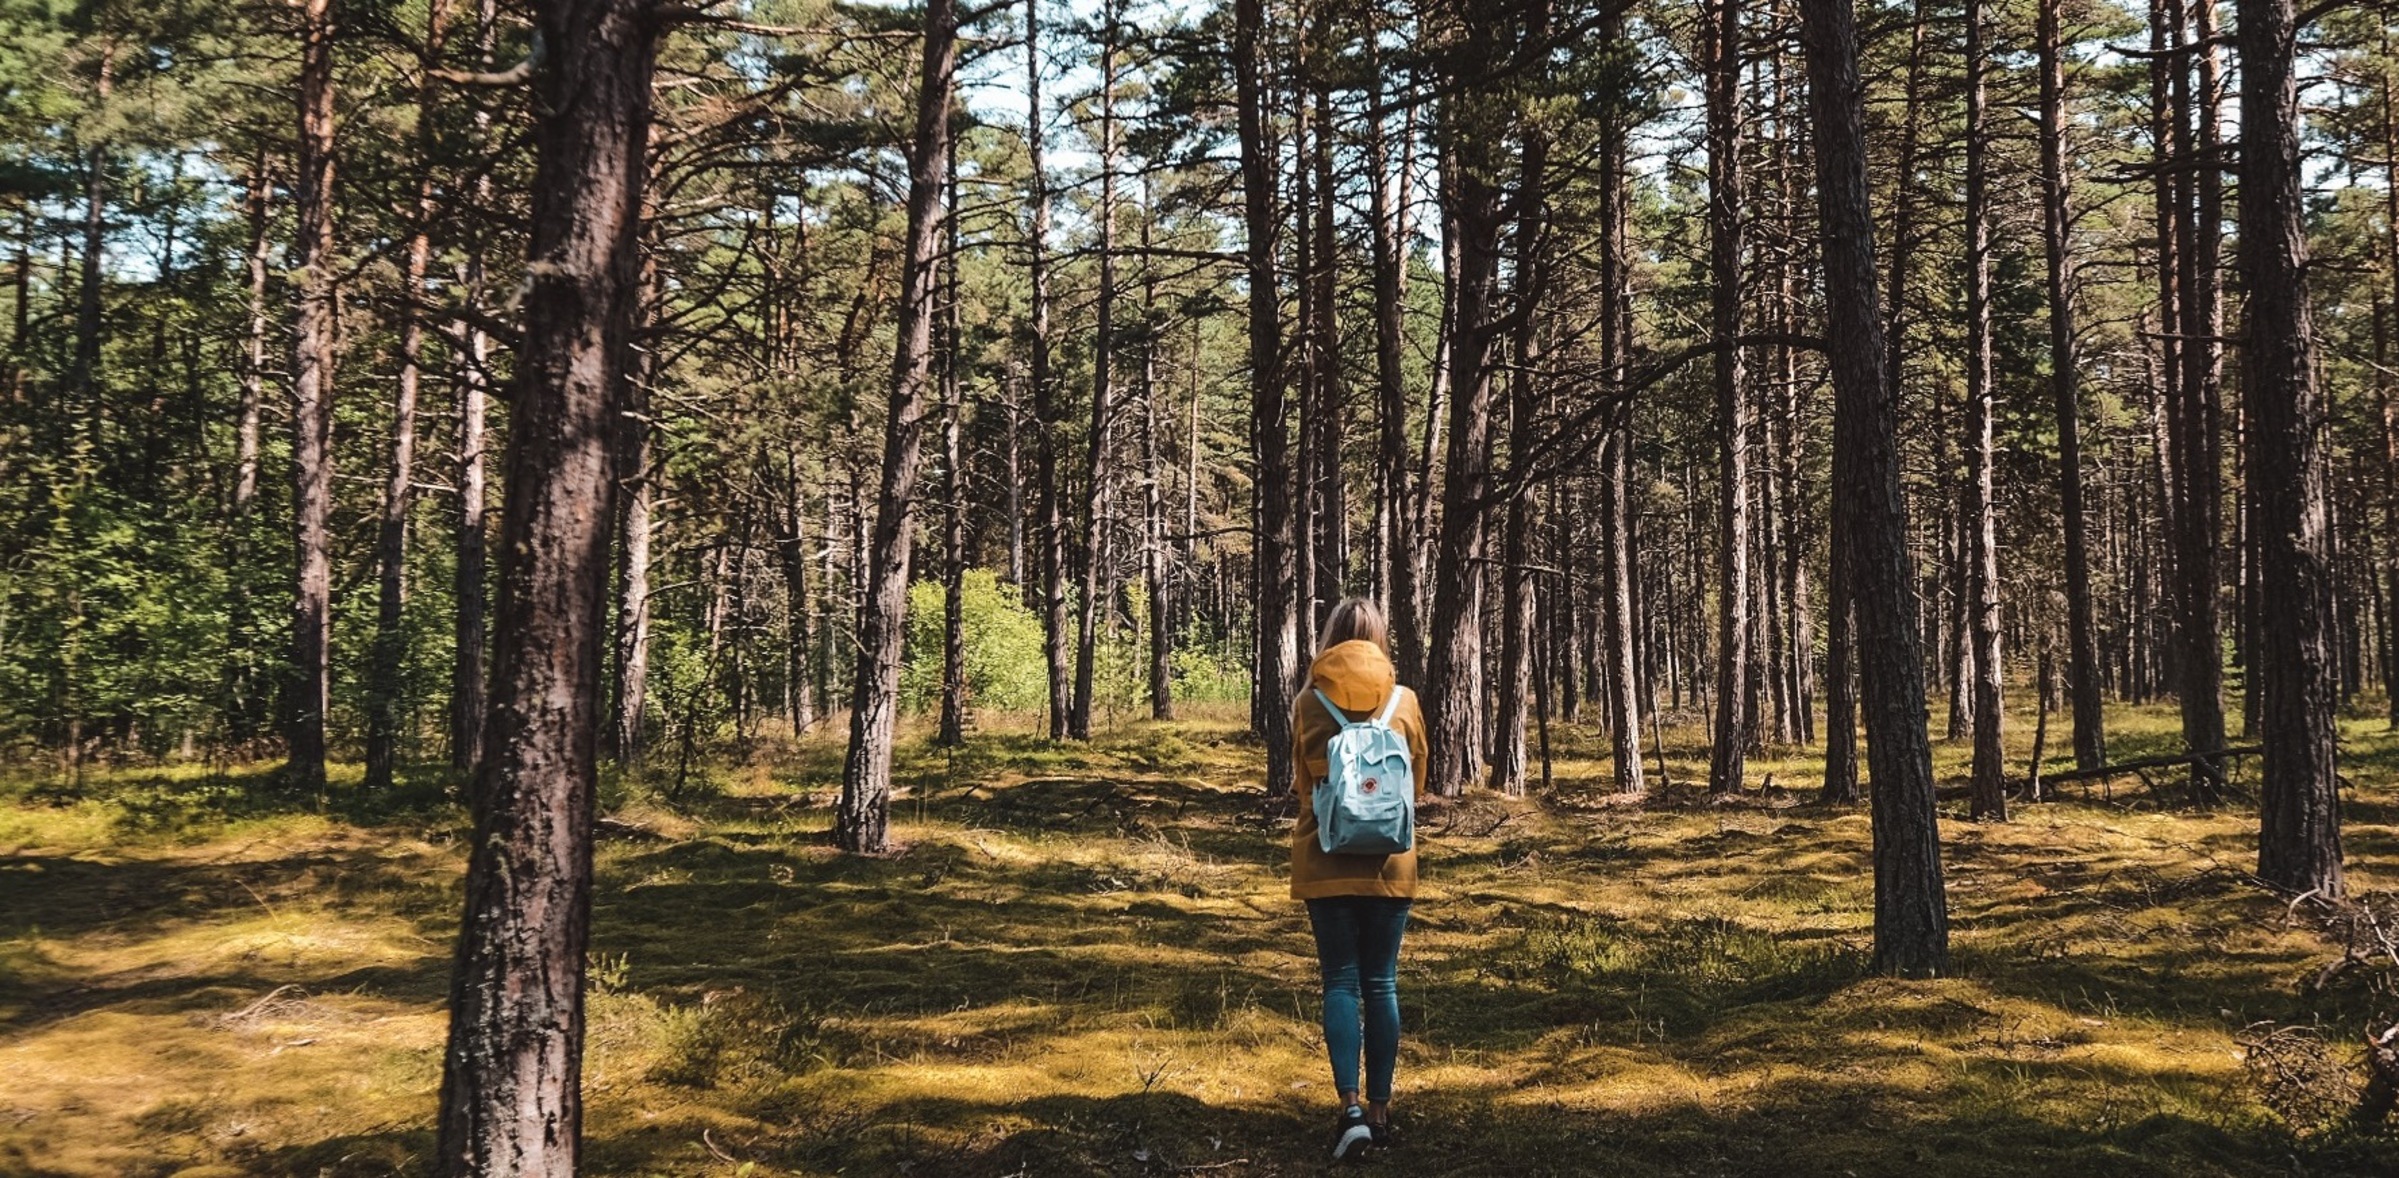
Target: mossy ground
x,y
1085,962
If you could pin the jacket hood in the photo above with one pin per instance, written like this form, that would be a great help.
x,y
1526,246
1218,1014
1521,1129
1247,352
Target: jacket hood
x,y
1357,676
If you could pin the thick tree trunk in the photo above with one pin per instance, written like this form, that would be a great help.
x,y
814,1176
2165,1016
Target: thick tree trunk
x,y
1841,656
1276,640
388,659
2083,675
312,404
1911,921
1989,770
511,1100
862,820
1734,689
1471,192
2299,842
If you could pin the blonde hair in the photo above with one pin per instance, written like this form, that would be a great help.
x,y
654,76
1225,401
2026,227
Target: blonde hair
x,y
1355,620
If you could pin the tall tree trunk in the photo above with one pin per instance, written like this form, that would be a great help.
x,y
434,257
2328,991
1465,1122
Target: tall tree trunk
x,y
2387,384
1046,409
1103,398
1841,656
471,365
2299,841
1521,610
1454,671
799,641
2083,675
1989,771
1911,919
1618,563
312,403
953,473
243,696
1329,421
2191,408
1276,639
1733,412
387,661
636,487
512,1071
1153,486
1394,562
862,820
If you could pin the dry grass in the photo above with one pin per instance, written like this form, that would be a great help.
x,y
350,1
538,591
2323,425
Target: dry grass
x,y
1086,963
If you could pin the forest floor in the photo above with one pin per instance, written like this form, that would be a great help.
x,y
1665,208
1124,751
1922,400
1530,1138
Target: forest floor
x,y
1086,962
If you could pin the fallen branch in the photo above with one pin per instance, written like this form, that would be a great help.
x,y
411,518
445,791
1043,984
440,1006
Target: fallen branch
x,y
2382,1078
2150,764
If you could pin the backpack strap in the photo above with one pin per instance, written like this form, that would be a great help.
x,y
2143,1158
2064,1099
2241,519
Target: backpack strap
x,y
1390,707
1338,716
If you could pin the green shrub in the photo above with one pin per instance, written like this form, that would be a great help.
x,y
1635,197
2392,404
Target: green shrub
x,y
1006,669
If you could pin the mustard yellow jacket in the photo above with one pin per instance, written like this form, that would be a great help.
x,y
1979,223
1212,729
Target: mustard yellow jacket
x,y
1359,679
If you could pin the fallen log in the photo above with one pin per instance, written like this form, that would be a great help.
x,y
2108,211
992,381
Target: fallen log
x,y
2141,765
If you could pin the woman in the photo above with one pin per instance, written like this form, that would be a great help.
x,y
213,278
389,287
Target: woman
x,y
1358,904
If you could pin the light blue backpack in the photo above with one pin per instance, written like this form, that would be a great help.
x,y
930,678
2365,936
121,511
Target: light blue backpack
x,y
1366,804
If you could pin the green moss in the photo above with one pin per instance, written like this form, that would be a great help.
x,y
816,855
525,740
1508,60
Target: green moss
x,y
1086,963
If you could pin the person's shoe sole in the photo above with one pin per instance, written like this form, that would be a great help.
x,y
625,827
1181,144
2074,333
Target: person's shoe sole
x,y
1353,1140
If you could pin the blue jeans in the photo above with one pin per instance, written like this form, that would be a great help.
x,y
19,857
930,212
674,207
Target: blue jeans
x,y
1357,946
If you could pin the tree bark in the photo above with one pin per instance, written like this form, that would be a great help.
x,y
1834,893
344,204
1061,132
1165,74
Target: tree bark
x,y
2197,486
799,641
1989,769
1734,689
1153,485
953,473
2299,840
1911,921
388,659
1331,563
471,365
1276,639
2083,674
635,488
1474,199
1618,616
1046,409
312,403
511,1100
1103,399
862,819
242,712
1397,541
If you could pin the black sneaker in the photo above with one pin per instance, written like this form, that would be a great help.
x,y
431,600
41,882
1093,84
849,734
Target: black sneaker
x,y
1352,1135
1384,1135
